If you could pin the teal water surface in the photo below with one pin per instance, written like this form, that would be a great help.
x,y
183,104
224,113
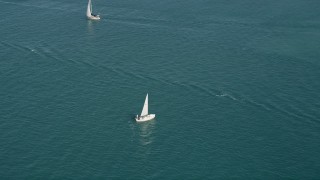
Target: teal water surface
x,y
234,86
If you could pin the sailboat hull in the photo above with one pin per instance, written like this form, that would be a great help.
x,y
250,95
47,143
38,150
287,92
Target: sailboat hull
x,y
93,17
145,118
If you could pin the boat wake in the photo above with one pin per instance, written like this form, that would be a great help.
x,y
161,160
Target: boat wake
x,y
285,108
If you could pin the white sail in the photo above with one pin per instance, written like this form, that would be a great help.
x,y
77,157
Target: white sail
x,y
145,107
89,9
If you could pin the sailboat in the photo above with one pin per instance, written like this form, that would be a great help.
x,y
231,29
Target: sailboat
x,y
144,114
89,12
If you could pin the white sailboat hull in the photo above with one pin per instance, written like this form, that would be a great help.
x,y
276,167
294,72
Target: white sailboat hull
x,y
145,118
94,17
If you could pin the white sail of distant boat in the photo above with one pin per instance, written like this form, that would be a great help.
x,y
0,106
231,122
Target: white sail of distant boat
x,y
145,107
89,12
144,113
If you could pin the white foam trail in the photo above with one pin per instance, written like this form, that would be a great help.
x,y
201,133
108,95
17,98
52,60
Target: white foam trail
x,y
227,95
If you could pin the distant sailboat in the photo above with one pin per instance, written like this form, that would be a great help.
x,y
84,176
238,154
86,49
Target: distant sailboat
x,y
89,12
144,114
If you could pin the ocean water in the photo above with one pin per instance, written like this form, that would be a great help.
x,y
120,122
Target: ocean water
x,y
234,86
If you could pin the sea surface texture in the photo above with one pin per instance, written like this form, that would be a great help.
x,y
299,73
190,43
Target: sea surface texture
x,y
234,85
